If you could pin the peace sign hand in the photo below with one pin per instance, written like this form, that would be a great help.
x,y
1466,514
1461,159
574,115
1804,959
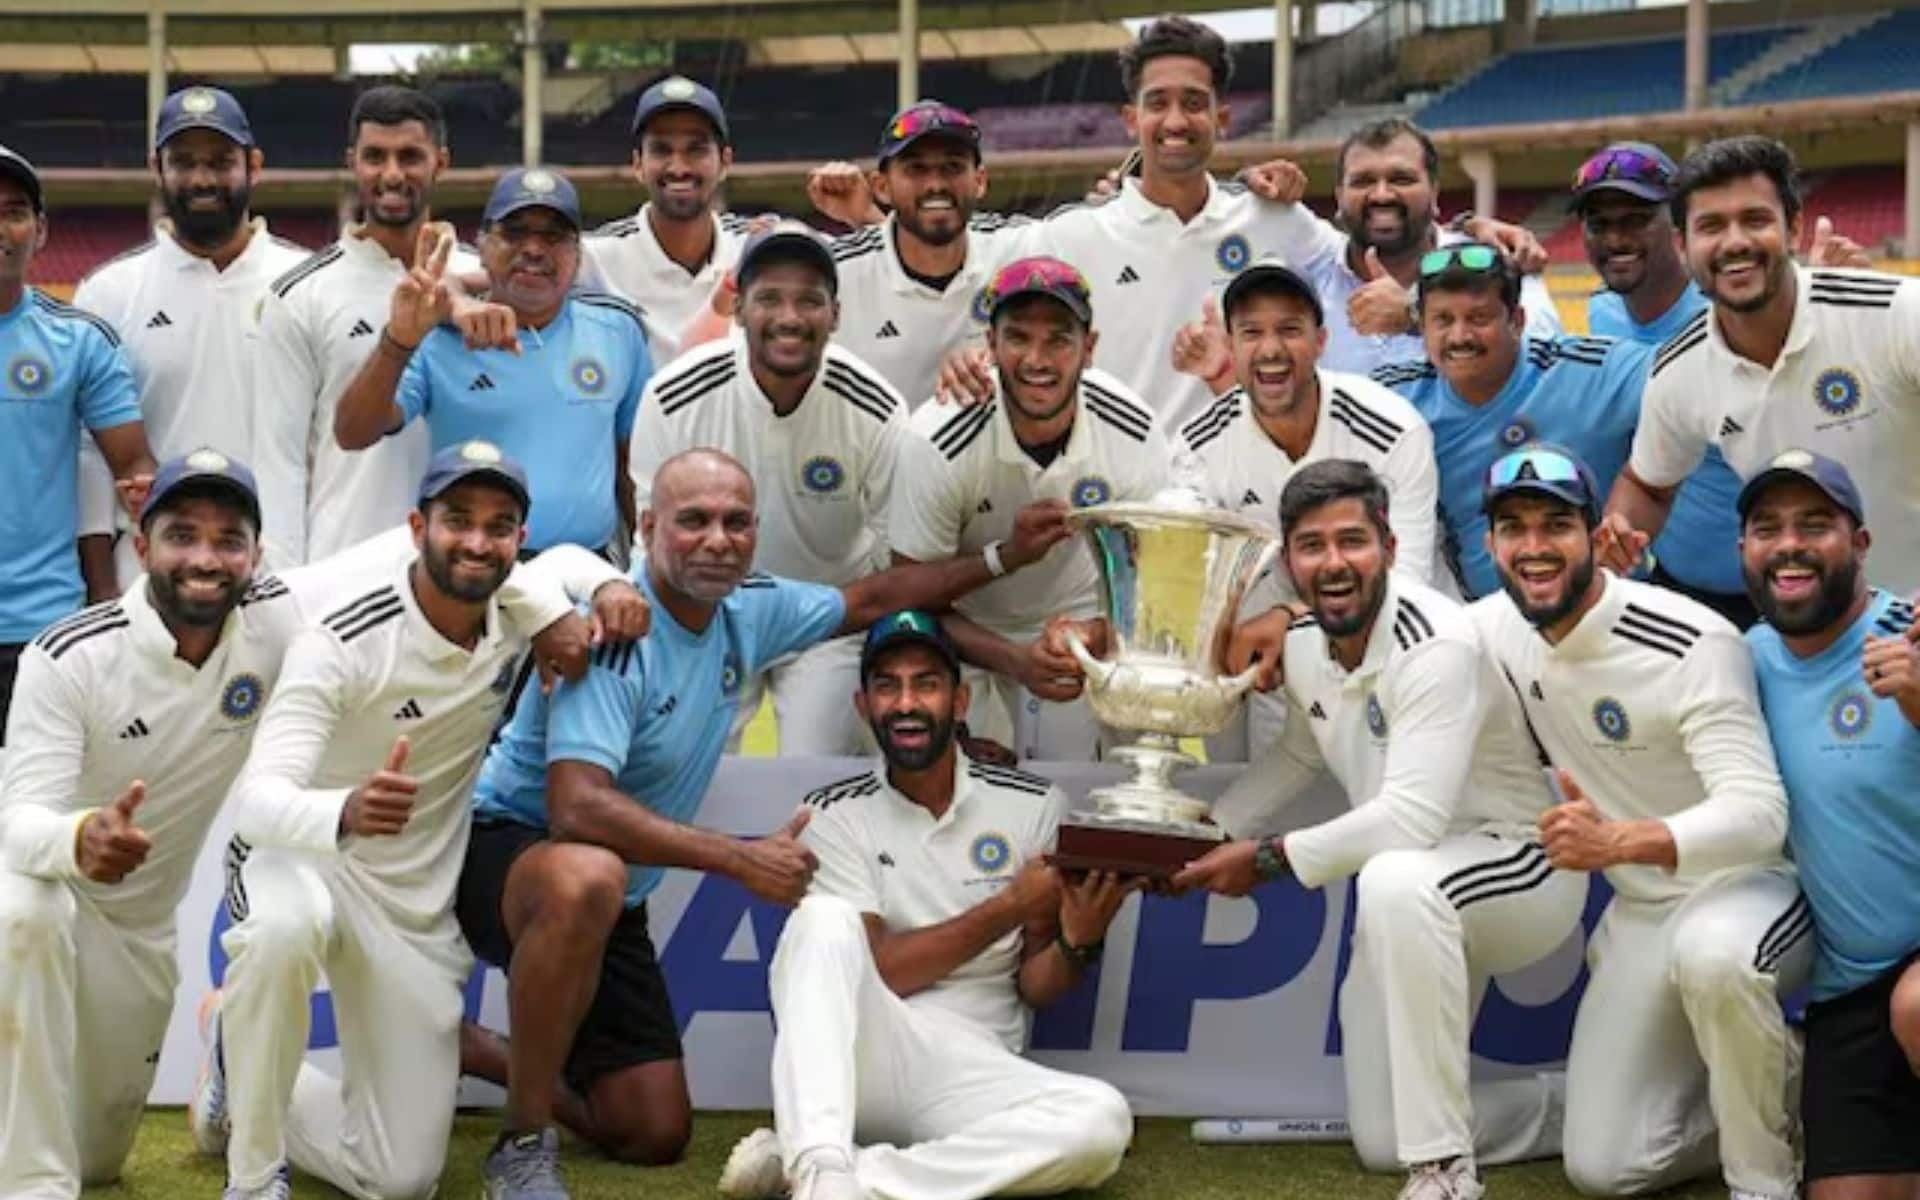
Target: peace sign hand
x,y
421,300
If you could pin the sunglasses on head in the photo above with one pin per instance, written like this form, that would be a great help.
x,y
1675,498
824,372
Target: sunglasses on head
x,y
927,117
1471,257
1634,165
1043,274
1536,464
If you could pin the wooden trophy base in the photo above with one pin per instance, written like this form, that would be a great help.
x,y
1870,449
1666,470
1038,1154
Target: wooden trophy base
x,y
1133,849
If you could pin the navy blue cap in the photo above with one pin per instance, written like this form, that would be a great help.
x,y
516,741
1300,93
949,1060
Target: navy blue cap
x,y
928,118
909,625
677,91
1542,469
1270,274
475,459
787,240
200,469
532,187
15,167
1817,469
1639,169
202,108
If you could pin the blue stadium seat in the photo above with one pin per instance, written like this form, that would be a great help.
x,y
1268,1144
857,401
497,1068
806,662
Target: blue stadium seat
x,y
1878,58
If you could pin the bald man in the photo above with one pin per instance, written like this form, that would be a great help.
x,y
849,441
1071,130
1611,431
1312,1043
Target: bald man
x,y
588,796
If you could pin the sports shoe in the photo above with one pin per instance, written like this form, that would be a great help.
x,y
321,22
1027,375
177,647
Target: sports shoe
x,y
280,1187
525,1166
1453,1179
207,1116
753,1170
826,1178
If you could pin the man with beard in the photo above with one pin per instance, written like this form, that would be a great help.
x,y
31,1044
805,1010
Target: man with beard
x,y
1644,702
65,372
1486,387
1823,360
902,1011
1285,412
181,302
1060,430
563,403
1839,684
1390,689
351,830
322,319
586,798
819,431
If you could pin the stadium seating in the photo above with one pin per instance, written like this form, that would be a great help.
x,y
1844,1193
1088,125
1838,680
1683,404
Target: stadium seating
x,y
1877,58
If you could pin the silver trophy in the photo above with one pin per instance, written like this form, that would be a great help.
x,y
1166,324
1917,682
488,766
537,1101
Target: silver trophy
x,y
1173,572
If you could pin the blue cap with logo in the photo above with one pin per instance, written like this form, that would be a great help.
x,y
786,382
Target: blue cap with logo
x,y
1817,469
1638,169
16,167
199,472
532,187
679,92
471,460
928,118
788,241
1542,469
202,108
907,626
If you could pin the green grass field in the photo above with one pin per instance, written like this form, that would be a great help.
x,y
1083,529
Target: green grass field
x,y
1164,1164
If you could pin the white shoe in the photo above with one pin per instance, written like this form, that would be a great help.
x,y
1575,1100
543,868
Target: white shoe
x,y
1454,1180
280,1187
207,1116
829,1180
753,1170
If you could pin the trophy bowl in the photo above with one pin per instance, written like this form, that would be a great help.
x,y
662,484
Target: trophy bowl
x,y
1172,572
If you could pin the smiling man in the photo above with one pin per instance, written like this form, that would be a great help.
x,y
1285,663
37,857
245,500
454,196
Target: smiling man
x,y
1823,360
563,405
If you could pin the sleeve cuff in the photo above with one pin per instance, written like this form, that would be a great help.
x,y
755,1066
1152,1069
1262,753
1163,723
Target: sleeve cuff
x,y
1307,859
43,843
591,755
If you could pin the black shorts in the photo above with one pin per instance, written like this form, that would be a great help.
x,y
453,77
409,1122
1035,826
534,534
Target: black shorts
x,y
1859,1101
9,671
631,1019
1734,606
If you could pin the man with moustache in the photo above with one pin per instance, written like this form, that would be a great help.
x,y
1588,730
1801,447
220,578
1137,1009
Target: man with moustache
x,y
1391,689
351,832
1841,691
1787,357
181,303
65,372
587,796
902,1011
321,320
563,404
1060,431
1645,705
1281,411
819,431
1485,387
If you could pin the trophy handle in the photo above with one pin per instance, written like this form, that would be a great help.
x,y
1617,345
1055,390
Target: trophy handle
x,y
1236,686
1098,672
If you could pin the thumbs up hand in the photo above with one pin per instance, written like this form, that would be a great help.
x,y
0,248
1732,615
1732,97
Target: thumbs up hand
x,y
381,806
778,867
1574,834
1379,305
1832,249
1200,348
111,845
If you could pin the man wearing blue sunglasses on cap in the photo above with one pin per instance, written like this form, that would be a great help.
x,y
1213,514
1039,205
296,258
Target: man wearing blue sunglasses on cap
x,y
1644,703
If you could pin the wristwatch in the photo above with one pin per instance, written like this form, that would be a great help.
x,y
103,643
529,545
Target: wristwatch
x,y
1268,860
1079,957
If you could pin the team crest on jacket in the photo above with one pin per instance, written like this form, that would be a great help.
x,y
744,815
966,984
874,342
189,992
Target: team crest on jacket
x,y
982,305
1091,491
990,853
1837,391
29,375
823,474
1610,717
1850,715
1234,254
241,698
1376,716
589,376
1515,433
730,676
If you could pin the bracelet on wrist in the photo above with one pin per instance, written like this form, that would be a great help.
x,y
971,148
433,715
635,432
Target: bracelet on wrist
x,y
1269,859
1078,957
394,344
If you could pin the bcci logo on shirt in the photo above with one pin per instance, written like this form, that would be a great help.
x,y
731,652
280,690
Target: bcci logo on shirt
x,y
29,375
1091,491
1516,433
1376,717
982,305
822,475
241,698
1611,719
990,853
730,677
1850,715
1234,254
1837,392
589,376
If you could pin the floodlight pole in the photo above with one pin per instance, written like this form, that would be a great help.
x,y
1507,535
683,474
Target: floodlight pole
x,y
1696,87
909,52
1283,68
1912,248
156,64
533,79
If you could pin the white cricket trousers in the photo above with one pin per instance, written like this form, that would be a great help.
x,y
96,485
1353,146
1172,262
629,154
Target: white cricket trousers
x,y
1680,1035
1433,927
812,701
380,1131
1034,729
84,1002
943,1110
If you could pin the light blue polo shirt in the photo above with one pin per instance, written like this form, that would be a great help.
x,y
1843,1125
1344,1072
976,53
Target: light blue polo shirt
x,y
60,368
656,712
560,407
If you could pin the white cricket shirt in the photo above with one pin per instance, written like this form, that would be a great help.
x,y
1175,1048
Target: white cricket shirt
x,y
886,855
901,326
1846,385
823,475
964,477
1418,734
1650,703
625,257
317,325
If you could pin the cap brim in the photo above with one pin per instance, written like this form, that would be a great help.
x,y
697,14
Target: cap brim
x,y
558,210
892,150
641,118
203,481
1750,491
236,136
482,474
904,637
1081,312
1651,192
1539,487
